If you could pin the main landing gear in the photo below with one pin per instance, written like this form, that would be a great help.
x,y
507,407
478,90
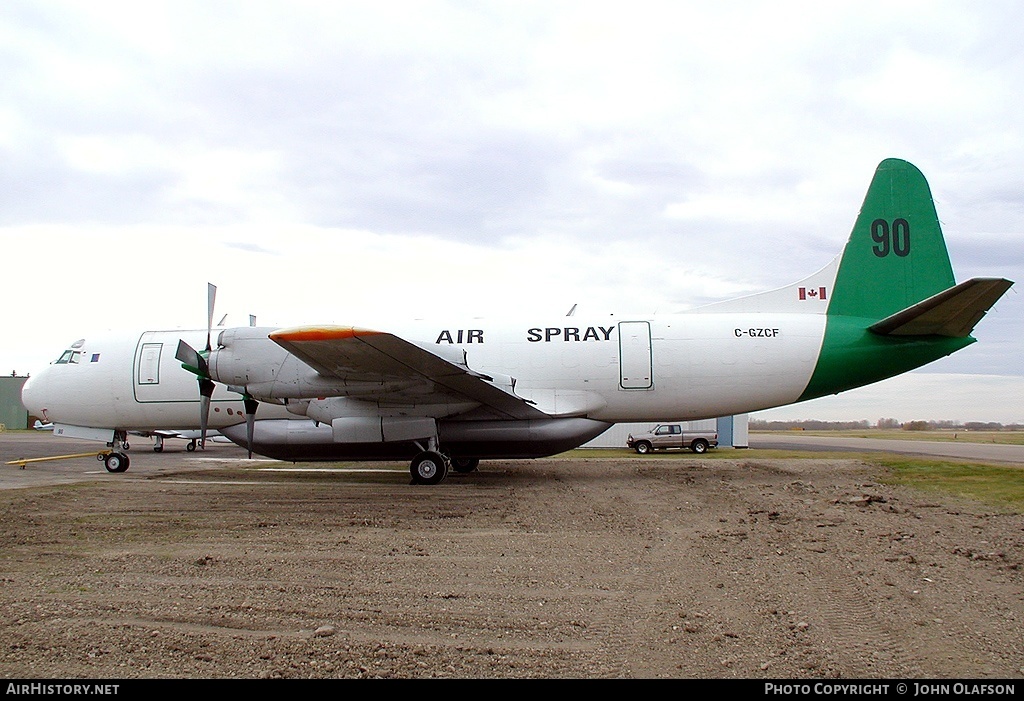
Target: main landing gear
x,y
431,466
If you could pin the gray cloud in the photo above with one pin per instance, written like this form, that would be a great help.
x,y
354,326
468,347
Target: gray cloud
x,y
736,144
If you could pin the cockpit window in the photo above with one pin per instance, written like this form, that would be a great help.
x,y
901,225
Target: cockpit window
x,y
69,356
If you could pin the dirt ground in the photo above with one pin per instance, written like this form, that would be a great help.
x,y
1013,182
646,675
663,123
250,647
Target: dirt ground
x,y
681,566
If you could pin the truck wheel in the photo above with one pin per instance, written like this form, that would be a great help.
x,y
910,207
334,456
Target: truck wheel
x,y
643,447
699,446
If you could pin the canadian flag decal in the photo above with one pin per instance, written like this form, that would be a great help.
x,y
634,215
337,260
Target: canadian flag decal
x,y
812,293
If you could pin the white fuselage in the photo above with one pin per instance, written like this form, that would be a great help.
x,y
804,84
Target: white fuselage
x,y
685,366
127,380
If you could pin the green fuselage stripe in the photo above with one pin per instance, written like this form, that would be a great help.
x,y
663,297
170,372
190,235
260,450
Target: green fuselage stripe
x,y
852,356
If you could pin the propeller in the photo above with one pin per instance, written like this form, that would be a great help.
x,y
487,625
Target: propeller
x,y
198,364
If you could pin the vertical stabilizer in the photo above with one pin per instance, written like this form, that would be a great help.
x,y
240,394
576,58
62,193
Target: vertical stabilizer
x,y
895,256
894,259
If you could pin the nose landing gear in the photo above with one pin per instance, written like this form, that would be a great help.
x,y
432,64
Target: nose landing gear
x,y
115,462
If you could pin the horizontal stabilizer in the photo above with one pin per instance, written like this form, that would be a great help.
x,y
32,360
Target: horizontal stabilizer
x,y
952,312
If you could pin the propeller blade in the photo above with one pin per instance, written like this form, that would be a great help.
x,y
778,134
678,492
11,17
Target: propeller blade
x,y
206,387
250,420
192,360
211,298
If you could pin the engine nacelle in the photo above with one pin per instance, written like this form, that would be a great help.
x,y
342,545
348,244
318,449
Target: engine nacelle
x,y
245,355
248,361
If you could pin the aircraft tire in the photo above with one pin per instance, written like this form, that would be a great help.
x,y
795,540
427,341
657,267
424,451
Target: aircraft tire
x,y
191,447
116,462
464,465
428,467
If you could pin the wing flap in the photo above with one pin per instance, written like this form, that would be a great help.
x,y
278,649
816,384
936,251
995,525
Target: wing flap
x,y
366,355
953,312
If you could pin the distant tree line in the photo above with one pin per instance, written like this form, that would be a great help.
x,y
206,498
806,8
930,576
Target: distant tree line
x,y
887,423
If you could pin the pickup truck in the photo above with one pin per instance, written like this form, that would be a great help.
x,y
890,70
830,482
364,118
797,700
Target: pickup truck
x,y
664,436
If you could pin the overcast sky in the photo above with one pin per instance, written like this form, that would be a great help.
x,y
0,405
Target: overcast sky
x,y
343,162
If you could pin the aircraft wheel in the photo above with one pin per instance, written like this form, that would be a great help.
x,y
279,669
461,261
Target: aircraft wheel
x,y
699,446
464,465
643,447
191,447
158,449
428,467
116,462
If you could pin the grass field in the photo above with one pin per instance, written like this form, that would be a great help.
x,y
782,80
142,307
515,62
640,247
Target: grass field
x,y
996,486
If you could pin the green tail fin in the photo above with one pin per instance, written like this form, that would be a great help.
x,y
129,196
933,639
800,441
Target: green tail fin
x,y
895,256
895,259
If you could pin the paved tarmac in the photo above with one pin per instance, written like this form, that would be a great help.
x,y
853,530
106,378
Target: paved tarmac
x,y
986,452
145,463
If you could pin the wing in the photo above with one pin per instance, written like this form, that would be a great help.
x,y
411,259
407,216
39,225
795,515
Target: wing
x,y
364,355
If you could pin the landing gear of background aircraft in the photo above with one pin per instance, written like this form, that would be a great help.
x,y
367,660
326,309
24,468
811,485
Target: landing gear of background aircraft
x,y
120,438
191,447
464,465
429,467
116,462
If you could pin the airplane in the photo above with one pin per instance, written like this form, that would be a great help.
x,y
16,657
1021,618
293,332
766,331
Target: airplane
x,y
447,395
193,436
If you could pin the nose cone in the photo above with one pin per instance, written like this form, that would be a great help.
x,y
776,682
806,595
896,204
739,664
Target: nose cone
x,y
32,396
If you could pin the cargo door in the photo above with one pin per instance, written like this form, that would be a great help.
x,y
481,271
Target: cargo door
x,y
635,367
158,376
149,363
